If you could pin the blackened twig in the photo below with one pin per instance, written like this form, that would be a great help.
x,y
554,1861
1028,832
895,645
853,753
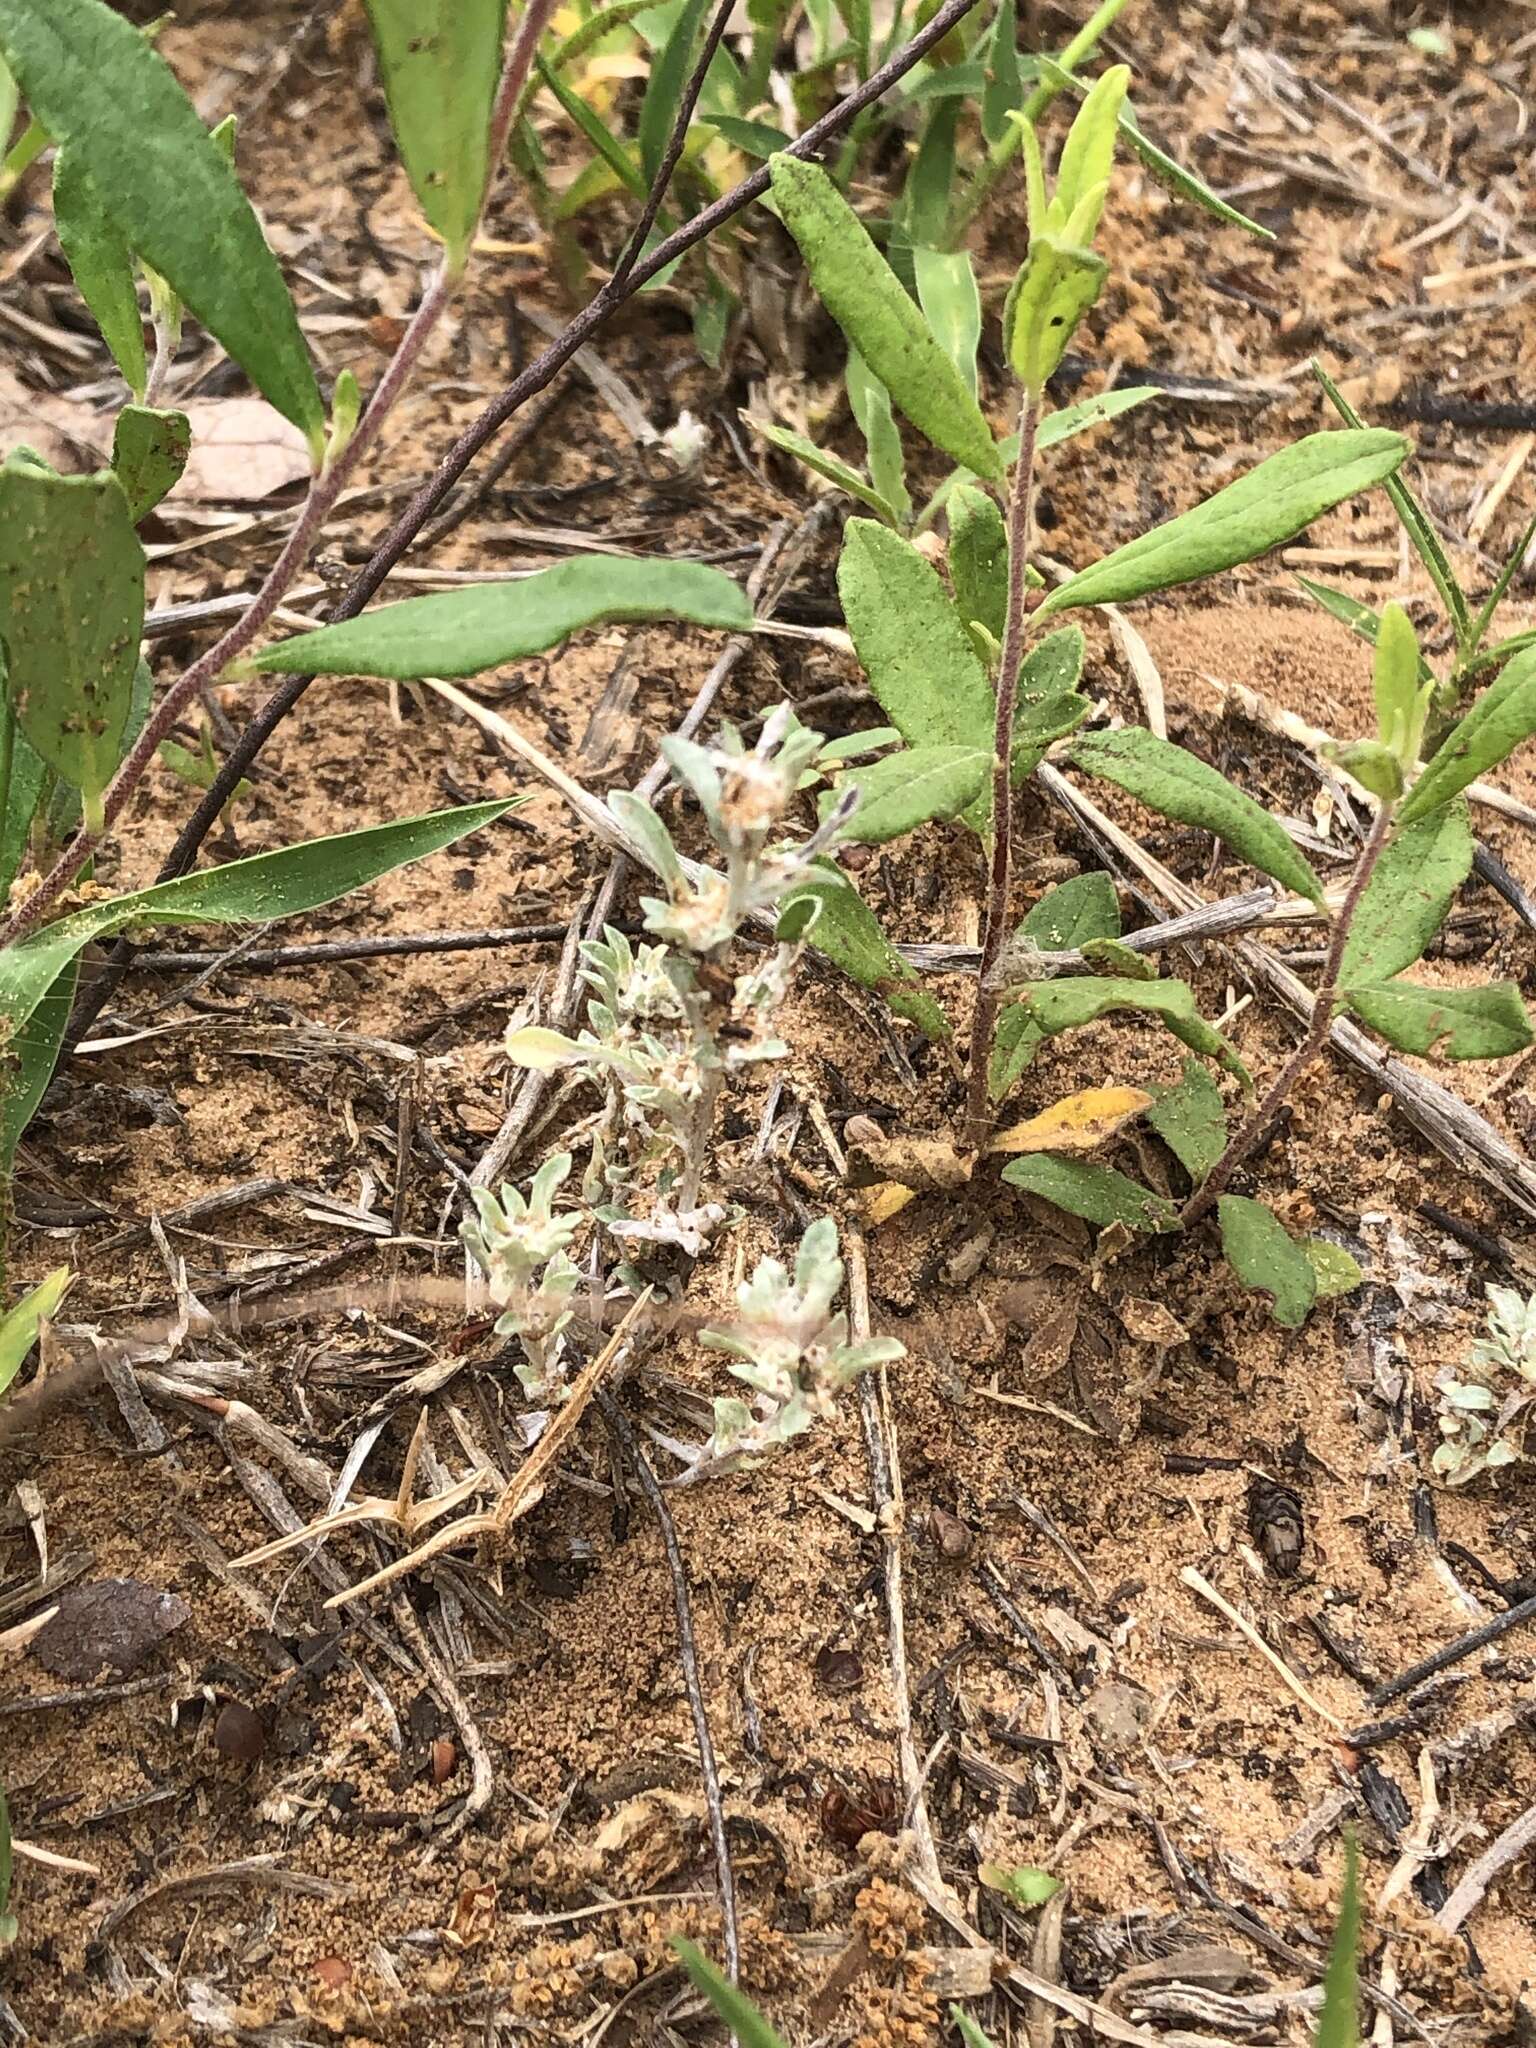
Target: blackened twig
x,y
1453,1653
618,1422
383,946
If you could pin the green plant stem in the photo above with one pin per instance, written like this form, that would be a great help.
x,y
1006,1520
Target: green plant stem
x,y
1006,148
978,1112
1315,1038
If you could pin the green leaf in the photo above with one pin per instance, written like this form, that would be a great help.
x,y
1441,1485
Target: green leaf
x,y
1400,701
1407,898
907,789
924,206
1037,727
1068,1004
1026,1885
28,1062
149,453
1056,285
1190,1120
460,632
1375,767
1264,1255
1113,957
598,135
1072,914
1359,618
1501,718
1524,541
23,789
440,60
847,933
870,404
1415,520
827,465
1338,2024
1015,1041
1483,1023
18,1333
1051,669
99,88
1269,505
1004,85
971,2032
1069,420
733,2006
1088,154
267,885
1096,1193
978,559
1170,780
669,72
101,264
752,138
951,303
1334,1269
71,613
918,657
860,291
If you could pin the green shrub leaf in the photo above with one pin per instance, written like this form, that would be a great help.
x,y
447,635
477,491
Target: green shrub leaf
x,y
918,657
1072,914
101,91
267,885
18,1333
1407,898
460,632
1190,1119
101,264
734,2007
668,75
1483,1023
834,470
1056,285
870,404
1335,1270
951,303
440,60
978,559
71,615
1067,421
1269,505
848,934
1068,1004
1264,1255
1172,781
1037,727
1096,1193
1501,718
149,453
861,292
905,790
1015,1042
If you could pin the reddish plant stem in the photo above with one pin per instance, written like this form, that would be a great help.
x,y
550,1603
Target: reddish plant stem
x,y
671,157
978,1109
1315,1038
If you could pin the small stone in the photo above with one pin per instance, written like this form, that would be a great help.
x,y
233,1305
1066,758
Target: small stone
x,y
239,1733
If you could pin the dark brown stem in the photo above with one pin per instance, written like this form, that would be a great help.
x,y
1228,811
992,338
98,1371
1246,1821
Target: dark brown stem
x,y
1315,1038
978,1109
531,381
634,248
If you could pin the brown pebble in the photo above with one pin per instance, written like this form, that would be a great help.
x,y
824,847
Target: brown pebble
x,y
238,1733
948,1534
333,1973
444,1759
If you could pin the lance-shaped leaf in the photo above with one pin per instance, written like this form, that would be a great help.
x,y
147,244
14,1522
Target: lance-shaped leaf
x,y
905,790
1190,1120
1409,893
1067,1005
1169,779
847,933
460,632
149,453
101,91
918,657
1038,725
1483,1023
1015,1042
28,1061
267,885
1501,718
1051,669
1096,1193
826,464
1401,699
1269,505
861,292
101,264
978,560
870,404
440,60
1338,2024
746,2023
665,80
71,614
951,303
18,1333
1264,1256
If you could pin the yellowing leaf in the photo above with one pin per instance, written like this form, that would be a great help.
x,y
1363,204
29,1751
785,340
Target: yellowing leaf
x,y
1078,1123
880,1203
540,1049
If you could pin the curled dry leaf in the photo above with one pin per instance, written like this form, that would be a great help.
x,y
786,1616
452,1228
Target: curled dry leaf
x,y
931,1165
1148,1322
1078,1123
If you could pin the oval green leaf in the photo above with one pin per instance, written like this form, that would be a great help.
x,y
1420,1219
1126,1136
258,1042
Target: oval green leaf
x,y
1072,914
1409,894
100,89
1169,779
861,292
1501,718
918,657
978,559
149,453
908,789
1269,505
1190,1120
440,60
1264,1255
460,632
847,933
101,264
1096,1193
1483,1023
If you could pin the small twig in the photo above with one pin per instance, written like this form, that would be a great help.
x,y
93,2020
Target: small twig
x,y
1516,1839
1453,1653
1198,1583
651,1488
384,946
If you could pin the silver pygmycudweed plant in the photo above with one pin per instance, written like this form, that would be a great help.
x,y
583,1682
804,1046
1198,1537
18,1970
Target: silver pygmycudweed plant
x,y
1478,1412
520,1243
791,1350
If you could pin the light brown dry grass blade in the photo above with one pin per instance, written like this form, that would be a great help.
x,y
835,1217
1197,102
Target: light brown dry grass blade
x,y
526,1488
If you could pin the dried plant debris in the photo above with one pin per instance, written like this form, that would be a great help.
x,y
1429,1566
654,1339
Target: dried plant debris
x,y
107,1625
